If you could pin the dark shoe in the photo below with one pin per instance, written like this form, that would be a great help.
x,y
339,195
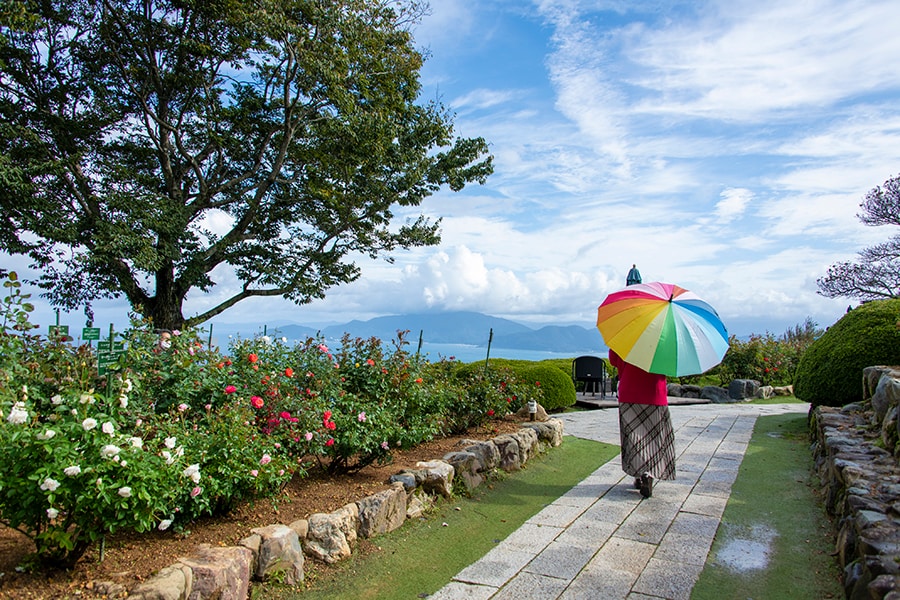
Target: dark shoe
x,y
637,483
646,485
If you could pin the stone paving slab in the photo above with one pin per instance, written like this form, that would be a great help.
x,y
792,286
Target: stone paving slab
x,y
601,540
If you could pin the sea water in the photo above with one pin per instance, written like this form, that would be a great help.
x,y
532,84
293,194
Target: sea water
x,y
469,353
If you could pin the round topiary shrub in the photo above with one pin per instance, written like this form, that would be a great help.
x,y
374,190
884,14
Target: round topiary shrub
x,y
557,387
830,371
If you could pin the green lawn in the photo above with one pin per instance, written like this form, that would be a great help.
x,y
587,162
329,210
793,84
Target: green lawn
x,y
775,539
422,556
773,514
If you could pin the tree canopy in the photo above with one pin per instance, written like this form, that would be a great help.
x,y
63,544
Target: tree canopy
x,y
146,143
876,275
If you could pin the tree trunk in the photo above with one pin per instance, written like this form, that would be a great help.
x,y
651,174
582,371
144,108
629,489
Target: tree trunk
x,y
164,309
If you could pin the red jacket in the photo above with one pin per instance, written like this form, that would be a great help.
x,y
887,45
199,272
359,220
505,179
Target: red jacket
x,y
637,386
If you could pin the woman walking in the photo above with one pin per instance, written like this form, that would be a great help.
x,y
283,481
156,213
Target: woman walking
x,y
645,426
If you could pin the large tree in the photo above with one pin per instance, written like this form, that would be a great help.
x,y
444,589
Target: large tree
x,y
876,275
145,143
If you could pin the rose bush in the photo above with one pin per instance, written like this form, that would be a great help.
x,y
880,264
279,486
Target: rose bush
x,y
178,429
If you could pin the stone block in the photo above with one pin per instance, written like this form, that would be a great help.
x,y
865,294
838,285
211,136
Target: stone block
x,y
510,458
219,573
279,553
382,512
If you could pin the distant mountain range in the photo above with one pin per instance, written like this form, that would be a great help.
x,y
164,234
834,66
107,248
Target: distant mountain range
x,y
469,328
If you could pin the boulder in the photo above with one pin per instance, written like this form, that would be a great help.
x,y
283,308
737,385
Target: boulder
x,y
742,389
407,479
715,394
301,526
690,391
510,458
673,390
437,477
219,573
171,583
872,375
886,395
382,512
279,553
889,429
330,535
764,392
550,432
466,467
540,416
486,453
528,443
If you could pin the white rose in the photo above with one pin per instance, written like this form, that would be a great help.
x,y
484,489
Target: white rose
x,y
125,491
18,415
72,471
164,524
56,400
192,471
89,423
123,401
136,442
50,484
110,451
170,442
46,435
52,513
108,428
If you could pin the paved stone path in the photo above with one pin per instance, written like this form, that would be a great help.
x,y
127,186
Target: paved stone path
x,y
601,541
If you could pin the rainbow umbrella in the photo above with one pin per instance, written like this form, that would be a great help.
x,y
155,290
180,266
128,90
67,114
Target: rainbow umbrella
x,y
662,328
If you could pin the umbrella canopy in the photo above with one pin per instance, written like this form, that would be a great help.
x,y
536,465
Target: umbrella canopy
x,y
662,328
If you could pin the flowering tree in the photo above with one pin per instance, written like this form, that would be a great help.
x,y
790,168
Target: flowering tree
x,y
146,144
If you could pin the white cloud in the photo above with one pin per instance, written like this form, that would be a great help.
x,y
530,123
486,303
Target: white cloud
x,y
732,205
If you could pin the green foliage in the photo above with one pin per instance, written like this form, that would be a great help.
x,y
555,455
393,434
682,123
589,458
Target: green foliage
x,y
178,430
488,392
829,372
557,387
766,358
306,156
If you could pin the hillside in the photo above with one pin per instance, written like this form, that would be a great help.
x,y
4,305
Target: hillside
x,y
469,328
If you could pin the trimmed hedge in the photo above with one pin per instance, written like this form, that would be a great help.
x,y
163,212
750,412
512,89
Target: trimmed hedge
x,y
557,389
830,371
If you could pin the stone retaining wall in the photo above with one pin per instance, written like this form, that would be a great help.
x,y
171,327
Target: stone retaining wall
x,y
855,449
279,550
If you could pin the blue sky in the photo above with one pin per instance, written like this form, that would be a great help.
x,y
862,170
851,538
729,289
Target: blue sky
x,y
723,146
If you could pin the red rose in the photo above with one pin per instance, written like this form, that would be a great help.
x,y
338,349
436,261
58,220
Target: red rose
x,y
257,402
230,389
289,372
252,358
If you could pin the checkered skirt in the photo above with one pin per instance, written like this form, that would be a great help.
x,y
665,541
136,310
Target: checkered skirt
x,y
648,441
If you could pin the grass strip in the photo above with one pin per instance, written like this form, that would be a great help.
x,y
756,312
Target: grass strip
x,y
775,539
422,556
